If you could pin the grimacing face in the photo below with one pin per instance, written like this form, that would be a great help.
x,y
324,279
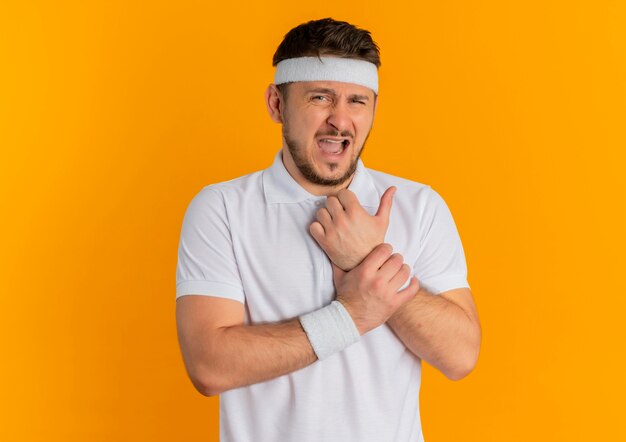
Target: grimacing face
x,y
325,127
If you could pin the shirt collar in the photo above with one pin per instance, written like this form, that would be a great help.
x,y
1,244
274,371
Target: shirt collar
x,y
280,187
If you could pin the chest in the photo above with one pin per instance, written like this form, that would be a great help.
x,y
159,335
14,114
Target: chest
x,y
284,272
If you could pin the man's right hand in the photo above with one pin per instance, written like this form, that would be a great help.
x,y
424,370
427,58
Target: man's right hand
x,y
346,231
370,291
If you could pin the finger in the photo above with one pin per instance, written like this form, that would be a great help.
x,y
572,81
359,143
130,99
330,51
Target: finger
x,y
401,277
392,266
408,293
384,209
324,218
317,231
348,200
334,207
377,257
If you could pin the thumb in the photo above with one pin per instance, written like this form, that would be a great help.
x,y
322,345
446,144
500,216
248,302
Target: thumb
x,y
385,203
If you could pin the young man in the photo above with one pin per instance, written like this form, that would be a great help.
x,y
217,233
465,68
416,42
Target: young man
x,y
291,303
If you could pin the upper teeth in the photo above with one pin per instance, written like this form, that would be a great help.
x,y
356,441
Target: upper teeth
x,y
333,141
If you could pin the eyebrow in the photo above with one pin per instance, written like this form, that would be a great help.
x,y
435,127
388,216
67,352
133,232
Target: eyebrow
x,y
323,90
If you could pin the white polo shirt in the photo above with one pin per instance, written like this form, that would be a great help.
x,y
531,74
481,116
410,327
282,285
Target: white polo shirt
x,y
247,239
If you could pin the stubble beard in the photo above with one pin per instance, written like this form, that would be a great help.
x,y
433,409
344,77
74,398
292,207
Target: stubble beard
x,y
306,168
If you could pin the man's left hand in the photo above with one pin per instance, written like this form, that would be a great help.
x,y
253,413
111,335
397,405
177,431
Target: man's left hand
x,y
346,232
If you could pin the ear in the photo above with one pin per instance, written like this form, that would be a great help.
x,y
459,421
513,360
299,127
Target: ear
x,y
274,103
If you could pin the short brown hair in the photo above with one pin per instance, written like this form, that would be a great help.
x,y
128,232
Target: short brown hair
x,y
327,37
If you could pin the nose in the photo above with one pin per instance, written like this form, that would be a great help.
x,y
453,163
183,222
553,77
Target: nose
x,y
339,117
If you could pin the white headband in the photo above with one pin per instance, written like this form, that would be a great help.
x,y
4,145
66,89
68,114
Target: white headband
x,y
346,70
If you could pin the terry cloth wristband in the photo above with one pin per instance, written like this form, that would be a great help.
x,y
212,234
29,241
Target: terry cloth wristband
x,y
329,329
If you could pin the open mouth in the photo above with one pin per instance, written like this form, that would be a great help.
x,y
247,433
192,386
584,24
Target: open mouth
x,y
333,146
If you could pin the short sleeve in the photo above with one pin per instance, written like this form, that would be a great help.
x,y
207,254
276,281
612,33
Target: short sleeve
x,y
440,264
206,261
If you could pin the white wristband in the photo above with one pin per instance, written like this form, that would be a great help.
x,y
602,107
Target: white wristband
x,y
329,329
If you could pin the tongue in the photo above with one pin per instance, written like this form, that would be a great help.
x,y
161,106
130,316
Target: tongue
x,y
330,147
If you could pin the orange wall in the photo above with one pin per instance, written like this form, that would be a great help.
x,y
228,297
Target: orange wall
x,y
114,114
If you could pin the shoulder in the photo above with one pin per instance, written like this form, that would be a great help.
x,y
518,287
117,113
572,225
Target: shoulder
x,y
215,201
413,198
237,188
386,179
408,190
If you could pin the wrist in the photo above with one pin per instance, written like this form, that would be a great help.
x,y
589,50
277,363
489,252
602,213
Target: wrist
x,y
346,264
361,327
330,329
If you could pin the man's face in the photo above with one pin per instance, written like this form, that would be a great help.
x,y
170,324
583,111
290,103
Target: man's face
x,y
325,126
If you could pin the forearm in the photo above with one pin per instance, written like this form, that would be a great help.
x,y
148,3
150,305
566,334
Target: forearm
x,y
246,354
439,332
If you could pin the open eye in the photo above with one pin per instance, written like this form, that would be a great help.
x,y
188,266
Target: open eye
x,y
319,98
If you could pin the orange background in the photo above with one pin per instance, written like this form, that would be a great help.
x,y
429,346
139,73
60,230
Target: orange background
x,y
114,114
